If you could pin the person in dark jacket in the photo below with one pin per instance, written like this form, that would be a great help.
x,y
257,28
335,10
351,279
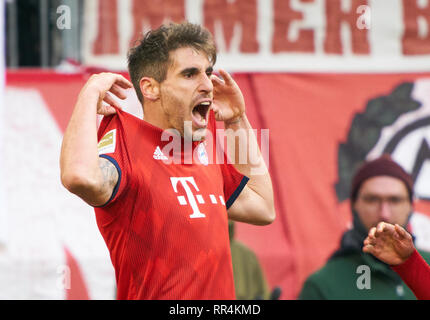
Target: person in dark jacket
x,y
381,191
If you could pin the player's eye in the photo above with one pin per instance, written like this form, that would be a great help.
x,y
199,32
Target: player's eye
x,y
189,73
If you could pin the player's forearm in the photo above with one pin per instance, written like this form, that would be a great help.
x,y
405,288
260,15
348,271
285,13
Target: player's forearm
x,y
415,272
243,148
79,155
244,151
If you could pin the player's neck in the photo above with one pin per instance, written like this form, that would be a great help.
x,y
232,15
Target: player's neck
x,y
154,116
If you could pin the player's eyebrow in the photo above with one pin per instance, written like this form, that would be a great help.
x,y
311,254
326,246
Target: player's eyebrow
x,y
190,71
194,70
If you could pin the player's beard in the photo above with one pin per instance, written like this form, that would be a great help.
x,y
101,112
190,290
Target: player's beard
x,y
181,121
190,133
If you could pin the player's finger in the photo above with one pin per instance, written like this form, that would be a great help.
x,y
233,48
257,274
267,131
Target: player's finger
x,y
403,234
123,82
387,229
380,228
109,99
109,110
372,232
217,80
226,76
368,249
118,91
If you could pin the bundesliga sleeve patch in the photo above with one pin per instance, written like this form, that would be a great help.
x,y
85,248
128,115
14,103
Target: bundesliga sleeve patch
x,y
107,143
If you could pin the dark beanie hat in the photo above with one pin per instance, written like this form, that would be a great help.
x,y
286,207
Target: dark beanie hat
x,y
382,166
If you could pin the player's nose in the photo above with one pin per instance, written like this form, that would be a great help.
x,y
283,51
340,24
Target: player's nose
x,y
206,84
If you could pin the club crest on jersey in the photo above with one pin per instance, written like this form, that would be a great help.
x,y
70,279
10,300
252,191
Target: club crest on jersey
x,y
202,154
108,143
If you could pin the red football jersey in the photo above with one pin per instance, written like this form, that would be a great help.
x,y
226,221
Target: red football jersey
x,y
166,223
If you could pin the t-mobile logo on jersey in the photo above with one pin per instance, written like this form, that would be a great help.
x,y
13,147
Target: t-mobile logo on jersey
x,y
186,182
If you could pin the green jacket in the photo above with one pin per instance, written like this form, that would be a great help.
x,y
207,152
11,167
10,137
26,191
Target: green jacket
x,y
351,274
341,279
249,279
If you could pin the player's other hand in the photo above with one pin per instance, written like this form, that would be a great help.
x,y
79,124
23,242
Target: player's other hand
x,y
105,86
228,103
389,243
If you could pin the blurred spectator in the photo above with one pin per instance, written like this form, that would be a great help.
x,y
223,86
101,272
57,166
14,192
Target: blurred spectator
x,y
381,191
249,279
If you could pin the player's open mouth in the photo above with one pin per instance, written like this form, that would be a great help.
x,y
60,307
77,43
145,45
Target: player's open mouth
x,y
200,114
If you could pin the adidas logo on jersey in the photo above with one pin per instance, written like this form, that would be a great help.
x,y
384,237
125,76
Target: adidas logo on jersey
x,y
159,155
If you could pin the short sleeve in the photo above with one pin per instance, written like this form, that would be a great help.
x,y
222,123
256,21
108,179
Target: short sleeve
x,y
112,146
234,182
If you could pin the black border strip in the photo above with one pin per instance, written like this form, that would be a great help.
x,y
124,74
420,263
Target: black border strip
x,y
236,193
115,190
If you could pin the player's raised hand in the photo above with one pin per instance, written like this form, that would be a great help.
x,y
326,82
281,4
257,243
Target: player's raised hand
x,y
105,85
228,103
389,243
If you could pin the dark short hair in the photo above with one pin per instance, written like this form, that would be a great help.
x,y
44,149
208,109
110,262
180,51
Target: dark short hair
x,y
382,166
150,57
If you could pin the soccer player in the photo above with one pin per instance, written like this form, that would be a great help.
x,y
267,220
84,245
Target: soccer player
x,y
165,221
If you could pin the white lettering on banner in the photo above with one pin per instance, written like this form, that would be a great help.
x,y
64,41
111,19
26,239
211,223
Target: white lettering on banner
x,y
190,195
274,35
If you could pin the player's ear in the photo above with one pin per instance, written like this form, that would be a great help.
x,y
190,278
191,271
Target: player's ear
x,y
150,88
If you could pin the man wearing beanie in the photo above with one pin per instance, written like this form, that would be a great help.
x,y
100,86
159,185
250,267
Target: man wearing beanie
x,y
381,190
